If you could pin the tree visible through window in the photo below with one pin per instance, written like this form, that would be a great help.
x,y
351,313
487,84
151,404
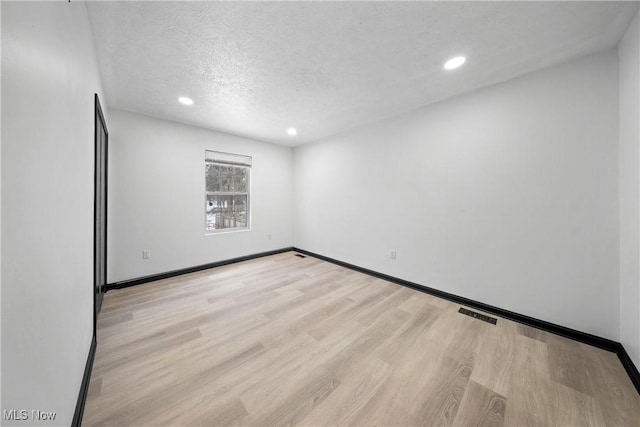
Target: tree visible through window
x,y
227,191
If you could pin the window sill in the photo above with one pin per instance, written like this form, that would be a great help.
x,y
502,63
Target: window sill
x,y
226,231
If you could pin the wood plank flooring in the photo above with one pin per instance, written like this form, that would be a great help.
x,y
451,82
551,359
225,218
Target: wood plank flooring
x,y
283,340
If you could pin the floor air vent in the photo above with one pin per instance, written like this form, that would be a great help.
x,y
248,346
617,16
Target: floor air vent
x,y
482,317
300,256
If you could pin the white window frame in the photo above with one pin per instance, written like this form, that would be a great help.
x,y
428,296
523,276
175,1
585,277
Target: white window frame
x,y
227,159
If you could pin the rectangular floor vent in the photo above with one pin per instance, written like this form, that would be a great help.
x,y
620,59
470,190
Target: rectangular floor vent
x,y
300,256
482,317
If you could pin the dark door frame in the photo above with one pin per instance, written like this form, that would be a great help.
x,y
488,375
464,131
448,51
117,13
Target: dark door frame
x,y
101,155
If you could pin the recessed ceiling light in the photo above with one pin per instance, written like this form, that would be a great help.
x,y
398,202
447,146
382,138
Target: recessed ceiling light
x,y
292,131
454,62
186,101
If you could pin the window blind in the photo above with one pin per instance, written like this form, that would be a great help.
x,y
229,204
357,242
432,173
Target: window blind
x,y
227,158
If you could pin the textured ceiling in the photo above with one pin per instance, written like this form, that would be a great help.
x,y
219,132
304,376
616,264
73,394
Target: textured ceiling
x,y
257,68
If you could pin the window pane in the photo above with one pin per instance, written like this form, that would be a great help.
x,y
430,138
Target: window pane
x,y
226,178
210,206
227,192
240,179
240,203
213,177
240,210
223,211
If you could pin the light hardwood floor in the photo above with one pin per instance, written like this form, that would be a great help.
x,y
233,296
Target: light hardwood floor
x,y
283,340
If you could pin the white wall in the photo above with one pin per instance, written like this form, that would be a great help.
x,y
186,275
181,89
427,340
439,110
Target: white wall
x,y
49,77
629,155
1,207
156,197
507,195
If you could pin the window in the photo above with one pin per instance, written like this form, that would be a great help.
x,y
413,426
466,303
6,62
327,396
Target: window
x,y
227,179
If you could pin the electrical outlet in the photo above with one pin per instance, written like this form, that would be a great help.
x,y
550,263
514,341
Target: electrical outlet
x,y
393,254
146,254
269,237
